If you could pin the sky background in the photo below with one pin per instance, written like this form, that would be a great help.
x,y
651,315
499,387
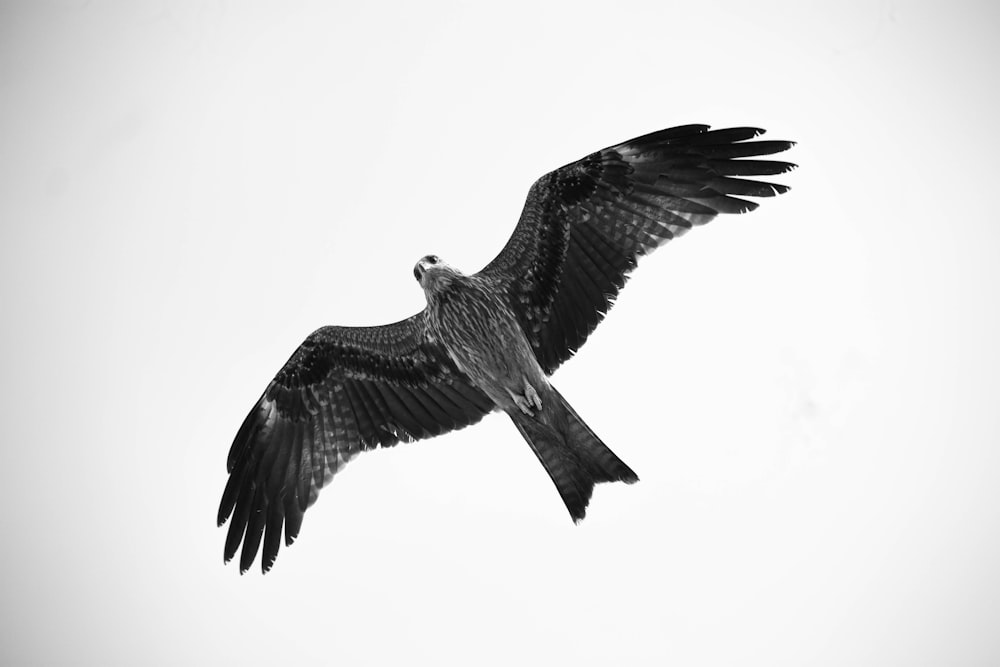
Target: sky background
x,y
808,393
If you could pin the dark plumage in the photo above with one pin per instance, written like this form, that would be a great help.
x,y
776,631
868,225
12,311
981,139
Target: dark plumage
x,y
490,340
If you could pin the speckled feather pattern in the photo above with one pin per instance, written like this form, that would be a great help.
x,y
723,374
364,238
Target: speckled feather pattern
x,y
471,318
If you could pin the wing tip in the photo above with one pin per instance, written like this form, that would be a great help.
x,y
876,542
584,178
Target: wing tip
x,y
266,564
774,189
628,478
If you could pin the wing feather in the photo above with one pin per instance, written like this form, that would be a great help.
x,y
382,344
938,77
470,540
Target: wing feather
x,y
344,390
363,406
585,225
238,526
255,529
749,167
590,274
303,457
723,137
398,410
272,532
751,149
293,517
430,416
455,414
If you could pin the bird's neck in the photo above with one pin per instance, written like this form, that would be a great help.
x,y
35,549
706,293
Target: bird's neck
x,y
438,285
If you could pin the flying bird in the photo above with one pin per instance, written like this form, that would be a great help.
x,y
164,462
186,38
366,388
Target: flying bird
x,y
490,340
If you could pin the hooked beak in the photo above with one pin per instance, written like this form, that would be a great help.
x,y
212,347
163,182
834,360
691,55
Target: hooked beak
x,y
419,270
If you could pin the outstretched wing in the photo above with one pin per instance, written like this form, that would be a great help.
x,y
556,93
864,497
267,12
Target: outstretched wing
x,y
345,390
585,225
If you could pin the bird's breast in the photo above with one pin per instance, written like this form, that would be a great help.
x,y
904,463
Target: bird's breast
x,y
481,334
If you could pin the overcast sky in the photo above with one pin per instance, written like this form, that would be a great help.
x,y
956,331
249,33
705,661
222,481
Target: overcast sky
x,y
808,393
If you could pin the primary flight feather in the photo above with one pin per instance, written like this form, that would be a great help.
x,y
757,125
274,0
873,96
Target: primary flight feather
x,y
490,340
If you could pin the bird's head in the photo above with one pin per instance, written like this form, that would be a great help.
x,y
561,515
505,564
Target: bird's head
x,y
431,272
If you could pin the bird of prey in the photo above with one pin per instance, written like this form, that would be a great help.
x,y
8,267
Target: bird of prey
x,y
488,341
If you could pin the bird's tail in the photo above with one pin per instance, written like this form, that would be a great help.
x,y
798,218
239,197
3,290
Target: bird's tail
x,y
574,457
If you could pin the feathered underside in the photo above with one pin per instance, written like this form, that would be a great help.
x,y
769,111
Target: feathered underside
x,y
583,228
585,225
345,390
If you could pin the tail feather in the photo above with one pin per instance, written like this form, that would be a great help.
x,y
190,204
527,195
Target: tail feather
x,y
570,452
606,466
574,482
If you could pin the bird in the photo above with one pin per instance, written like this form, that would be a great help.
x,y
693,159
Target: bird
x,y
489,341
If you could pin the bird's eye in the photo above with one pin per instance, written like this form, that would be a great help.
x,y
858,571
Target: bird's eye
x,y
433,259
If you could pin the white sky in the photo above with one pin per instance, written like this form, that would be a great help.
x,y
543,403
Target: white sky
x,y
808,392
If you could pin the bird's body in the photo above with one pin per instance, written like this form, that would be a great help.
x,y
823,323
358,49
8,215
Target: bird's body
x,y
490,340
470,318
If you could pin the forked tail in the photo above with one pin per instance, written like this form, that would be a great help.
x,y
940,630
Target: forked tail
x,y
574,457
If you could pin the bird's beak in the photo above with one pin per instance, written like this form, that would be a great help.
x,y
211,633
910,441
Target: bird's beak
x,y
419,270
